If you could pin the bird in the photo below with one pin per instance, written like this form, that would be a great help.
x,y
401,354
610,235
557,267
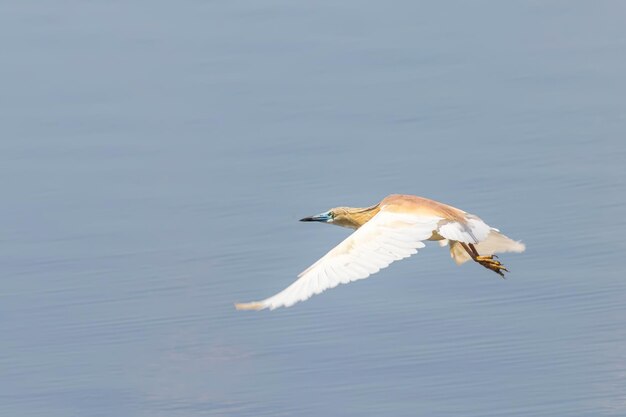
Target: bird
x,y
391,230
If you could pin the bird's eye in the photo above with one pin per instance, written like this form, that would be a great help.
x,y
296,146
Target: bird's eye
x,y
331,214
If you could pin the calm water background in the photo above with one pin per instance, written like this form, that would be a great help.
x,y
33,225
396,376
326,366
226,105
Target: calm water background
x,y
155,157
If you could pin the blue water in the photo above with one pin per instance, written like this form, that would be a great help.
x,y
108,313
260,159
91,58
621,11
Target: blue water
x,y
155,158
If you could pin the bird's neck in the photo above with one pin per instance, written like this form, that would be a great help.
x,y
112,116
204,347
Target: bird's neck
x,y
357,217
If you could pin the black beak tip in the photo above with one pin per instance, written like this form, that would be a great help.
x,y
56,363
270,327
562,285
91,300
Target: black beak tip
x,y
307,219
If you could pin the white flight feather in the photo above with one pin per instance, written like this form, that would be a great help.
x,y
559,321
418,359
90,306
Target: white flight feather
x,y
473,231
387,237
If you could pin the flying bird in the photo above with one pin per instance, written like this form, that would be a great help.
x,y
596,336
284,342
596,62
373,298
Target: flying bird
x,y
391,230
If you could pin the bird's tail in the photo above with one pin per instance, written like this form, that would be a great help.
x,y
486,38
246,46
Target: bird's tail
x,y
495,242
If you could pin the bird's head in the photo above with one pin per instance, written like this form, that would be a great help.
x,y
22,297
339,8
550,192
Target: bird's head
x,y
344,216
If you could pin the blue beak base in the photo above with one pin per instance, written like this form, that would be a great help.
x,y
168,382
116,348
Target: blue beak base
x,y
324,217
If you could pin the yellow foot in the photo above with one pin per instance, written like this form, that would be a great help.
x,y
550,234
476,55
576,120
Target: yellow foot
x,y
490,263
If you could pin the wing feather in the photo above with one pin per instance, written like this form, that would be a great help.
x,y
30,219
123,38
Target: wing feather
x,y
389,236
473,230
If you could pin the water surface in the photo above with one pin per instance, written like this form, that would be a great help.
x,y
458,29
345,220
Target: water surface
x,y
155,158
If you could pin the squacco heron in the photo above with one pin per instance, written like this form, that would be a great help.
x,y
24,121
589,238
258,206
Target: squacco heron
x,y
391,230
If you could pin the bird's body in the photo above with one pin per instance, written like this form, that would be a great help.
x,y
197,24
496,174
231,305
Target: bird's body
x,y
388,231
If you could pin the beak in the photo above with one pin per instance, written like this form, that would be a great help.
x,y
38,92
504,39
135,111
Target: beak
x,y
324,217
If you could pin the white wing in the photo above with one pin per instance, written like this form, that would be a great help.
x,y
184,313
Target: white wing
x,y
387,237
473,230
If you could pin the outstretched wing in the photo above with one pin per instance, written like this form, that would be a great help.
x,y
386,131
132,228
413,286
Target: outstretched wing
x,y
389,236
471,230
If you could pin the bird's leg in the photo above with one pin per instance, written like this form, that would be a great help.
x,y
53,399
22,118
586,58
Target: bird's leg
x,y
487,261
